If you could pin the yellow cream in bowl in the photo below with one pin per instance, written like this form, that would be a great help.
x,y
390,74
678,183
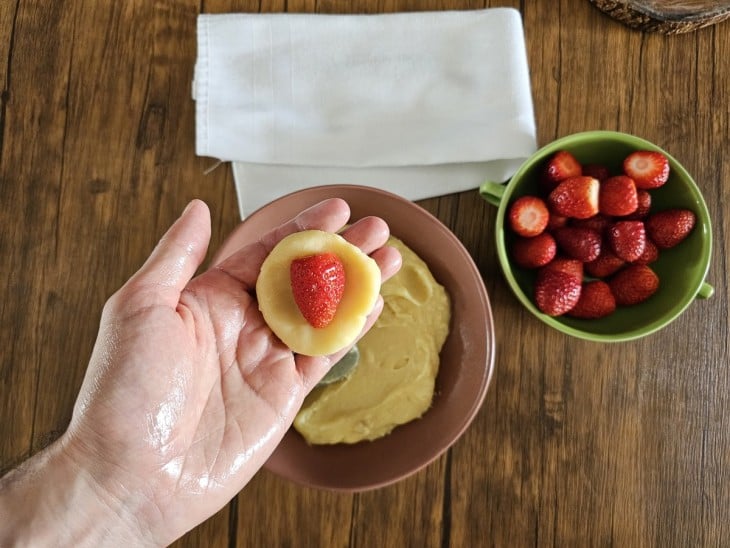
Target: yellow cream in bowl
x,y
394,380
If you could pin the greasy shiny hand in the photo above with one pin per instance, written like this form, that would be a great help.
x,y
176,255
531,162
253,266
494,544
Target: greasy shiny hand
x,y
188,391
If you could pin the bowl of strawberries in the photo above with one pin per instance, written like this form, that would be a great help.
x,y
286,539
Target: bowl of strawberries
x,y
603,236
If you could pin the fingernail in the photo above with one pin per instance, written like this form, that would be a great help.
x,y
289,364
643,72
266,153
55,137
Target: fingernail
x,y
187,207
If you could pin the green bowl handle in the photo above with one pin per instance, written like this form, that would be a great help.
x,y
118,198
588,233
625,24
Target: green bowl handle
x,y
492,192
706,291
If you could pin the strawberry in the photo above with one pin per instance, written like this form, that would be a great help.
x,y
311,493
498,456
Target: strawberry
x,y
528,216
534,252
598,222
574,267
627,239
598,171
561,165
556,292
596,301
606,264
634,284
643,205
576,197
651,253
317,283
583,244
617,196
648,169
556,221
669,227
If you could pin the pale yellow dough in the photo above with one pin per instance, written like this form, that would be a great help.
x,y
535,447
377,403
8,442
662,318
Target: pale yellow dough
x,y
394,380
282,315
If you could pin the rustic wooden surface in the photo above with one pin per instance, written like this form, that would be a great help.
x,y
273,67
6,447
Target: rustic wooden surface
x,y
577,444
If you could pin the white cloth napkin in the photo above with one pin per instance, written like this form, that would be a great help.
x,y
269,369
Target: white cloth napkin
x,y
421,104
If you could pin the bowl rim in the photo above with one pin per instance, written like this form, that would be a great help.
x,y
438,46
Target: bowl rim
x,y
480,299
703,218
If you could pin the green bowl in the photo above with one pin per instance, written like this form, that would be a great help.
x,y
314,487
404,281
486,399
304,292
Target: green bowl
x,y
682,270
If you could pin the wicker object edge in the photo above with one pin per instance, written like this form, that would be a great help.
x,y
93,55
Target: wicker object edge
x,y
636,15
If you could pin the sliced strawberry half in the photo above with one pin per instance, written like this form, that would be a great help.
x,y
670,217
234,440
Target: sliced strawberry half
x,y
318,284
648,168
576,197
528,216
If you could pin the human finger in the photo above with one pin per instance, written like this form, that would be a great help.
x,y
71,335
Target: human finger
x,y
176,257
368,233
389,261
244,265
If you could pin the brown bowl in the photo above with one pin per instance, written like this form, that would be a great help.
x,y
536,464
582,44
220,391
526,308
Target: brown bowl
x,y
467,358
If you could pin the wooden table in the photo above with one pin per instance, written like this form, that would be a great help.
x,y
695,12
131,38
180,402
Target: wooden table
x,y
577,444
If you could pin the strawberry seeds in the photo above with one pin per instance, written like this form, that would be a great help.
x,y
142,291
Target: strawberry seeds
x,y
318,284
590,221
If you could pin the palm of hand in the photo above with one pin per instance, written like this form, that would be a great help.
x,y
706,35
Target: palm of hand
x,y
188,391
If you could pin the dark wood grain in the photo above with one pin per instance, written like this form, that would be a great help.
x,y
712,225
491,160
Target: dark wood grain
x,y
577,443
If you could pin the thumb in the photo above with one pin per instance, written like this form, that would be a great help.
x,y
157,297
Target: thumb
x,y
176,257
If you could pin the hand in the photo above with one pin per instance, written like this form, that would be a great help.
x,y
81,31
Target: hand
x,y
188,391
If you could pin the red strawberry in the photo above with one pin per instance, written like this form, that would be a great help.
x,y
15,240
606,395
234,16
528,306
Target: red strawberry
x,y
634,284
648,169
598,171
556,221
606,264
574,267
528,216
627,239
599,223
561,165
556,292
651,253
576,197
617,196
583,244
534,252
596,301
317,283
643,205
669,227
